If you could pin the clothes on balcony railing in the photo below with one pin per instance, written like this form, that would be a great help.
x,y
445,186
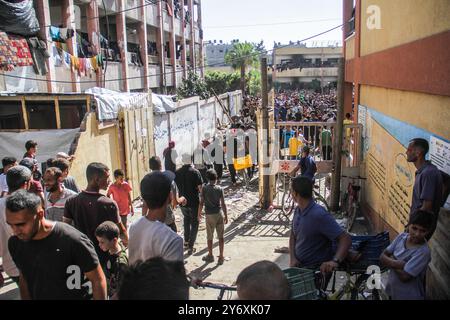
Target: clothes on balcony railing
x,y
82,66
14,52
39,54
61,34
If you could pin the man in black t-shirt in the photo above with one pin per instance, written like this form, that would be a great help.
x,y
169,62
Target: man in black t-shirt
x,y
53,258
90,208
189,182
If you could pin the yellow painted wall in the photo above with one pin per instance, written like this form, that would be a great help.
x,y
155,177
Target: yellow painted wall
x,y
429,112
350,48
403,21
95,145
390,178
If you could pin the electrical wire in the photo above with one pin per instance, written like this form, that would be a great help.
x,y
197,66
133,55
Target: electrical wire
x,y
171,72
268,24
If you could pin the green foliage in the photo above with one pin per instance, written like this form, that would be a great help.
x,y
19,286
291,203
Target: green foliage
x,y
242,54
254,82
193,86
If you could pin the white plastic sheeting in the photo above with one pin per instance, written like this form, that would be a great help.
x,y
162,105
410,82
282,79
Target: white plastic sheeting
x,y
110,102
162,104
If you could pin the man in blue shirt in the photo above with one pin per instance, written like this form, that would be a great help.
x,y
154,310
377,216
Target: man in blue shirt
x,y
313,232
427,191
306,165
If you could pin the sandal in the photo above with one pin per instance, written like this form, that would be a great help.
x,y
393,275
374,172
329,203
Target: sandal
x,y
220,261
208,258
191,251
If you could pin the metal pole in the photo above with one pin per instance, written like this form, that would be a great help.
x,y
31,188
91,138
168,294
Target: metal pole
x,y
337,148
265,111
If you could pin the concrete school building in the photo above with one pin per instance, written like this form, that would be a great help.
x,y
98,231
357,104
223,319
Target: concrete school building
x,y
152,45
397,70
297,63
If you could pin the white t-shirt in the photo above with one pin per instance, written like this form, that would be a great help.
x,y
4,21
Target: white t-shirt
x,y
3,184
149,239
5,233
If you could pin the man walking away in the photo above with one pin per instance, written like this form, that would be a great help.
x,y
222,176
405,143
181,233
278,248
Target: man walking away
x,y
150,237
189,182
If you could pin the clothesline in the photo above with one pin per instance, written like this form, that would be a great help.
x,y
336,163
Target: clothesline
x,y
83,66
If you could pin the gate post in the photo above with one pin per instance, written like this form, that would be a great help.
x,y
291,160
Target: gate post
x,y
337,148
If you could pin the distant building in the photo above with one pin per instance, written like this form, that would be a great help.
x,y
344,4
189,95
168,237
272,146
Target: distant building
x,y
296,64
215,52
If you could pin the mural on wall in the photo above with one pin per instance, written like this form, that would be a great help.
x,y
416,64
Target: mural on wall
x,y
390,176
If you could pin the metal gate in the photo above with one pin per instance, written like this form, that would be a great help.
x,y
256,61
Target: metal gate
x,y
321,144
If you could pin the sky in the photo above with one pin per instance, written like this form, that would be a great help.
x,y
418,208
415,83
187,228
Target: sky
x,y
229,19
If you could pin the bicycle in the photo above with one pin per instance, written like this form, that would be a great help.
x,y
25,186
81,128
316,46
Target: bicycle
x,y
365,252
350,202
196,283
288,203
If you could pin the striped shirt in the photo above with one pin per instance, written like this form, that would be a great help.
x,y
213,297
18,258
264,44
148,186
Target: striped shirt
x,y
55,211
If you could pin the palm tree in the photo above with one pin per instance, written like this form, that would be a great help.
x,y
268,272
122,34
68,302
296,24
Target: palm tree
x,y
242,56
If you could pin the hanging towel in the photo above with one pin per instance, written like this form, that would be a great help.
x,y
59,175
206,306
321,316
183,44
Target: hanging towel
x,y
56,56
75,63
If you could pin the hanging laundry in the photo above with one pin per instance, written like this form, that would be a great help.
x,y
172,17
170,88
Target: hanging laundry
x,y
14,52
63,33
55,33
88,67
57,56
100,61
22,51
39,54
66,59
75,64
94,63
82,68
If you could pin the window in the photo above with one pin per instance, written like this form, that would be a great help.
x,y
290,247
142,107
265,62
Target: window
x,y
41,114
11,115
72,113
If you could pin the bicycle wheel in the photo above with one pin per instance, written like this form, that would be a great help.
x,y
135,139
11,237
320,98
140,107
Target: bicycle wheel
x,y
351,215
321,200
287,204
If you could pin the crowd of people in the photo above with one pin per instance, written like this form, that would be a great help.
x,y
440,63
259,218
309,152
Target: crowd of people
x,y
305,106
60,242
